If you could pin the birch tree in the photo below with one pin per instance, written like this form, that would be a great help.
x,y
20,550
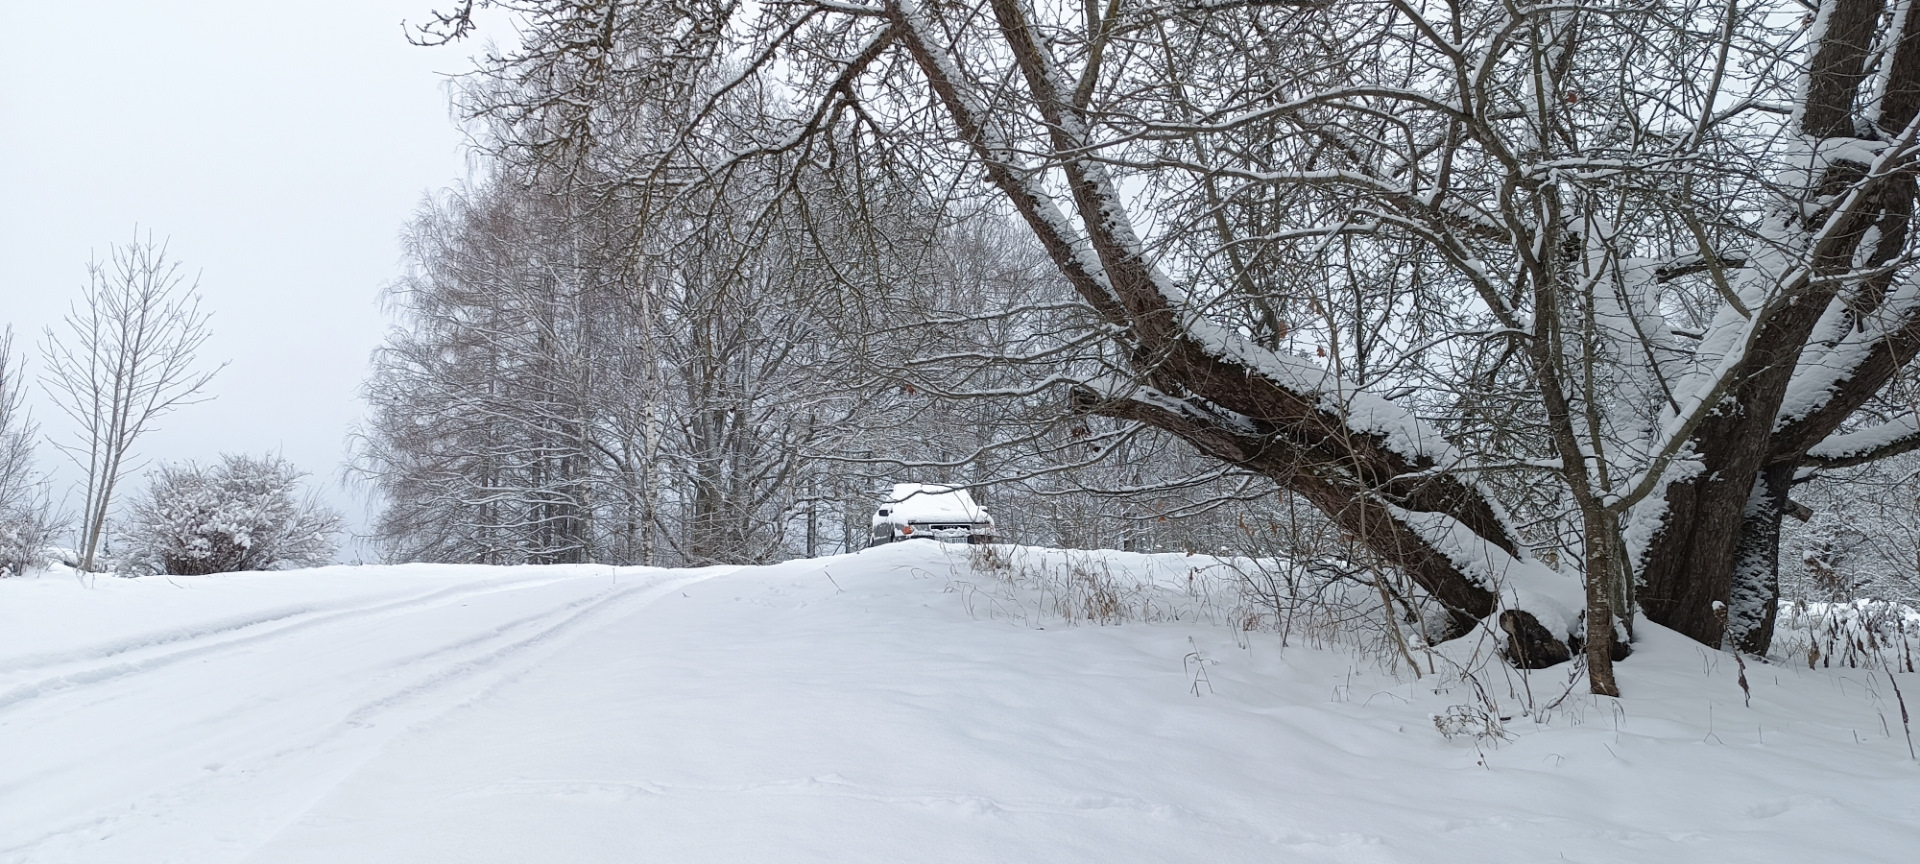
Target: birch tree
x,y
560,390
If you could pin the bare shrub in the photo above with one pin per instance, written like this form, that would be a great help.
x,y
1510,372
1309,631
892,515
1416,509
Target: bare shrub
x,y
1323,601
1035,585
1469,721
990,557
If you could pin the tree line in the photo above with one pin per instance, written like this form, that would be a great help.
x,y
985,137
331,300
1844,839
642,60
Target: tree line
x,y
1510,295
1492,300
730,376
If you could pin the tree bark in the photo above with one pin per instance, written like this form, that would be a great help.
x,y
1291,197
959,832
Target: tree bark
x,y
1755,593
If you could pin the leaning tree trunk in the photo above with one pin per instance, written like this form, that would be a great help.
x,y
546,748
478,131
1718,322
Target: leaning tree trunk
x,y
1268,415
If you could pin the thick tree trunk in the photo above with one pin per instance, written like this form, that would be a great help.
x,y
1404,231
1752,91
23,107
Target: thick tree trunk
x,y
1687,572
1757,578
1364,517
1714,561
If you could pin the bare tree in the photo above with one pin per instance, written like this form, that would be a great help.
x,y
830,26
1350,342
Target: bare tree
x,y
26,521
558,391
125,358
1638,267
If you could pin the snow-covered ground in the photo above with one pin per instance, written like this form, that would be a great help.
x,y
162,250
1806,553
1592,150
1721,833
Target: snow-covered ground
x,y
863,708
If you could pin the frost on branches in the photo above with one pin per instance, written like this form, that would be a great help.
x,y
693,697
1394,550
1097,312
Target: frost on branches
x,y
1550,307
242,514
26,523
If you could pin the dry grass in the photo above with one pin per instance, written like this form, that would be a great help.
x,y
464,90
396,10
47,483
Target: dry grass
x,y
1040,586
1319,606
1863,634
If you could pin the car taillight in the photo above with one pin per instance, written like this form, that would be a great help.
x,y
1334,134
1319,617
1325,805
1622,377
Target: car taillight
x,y
907,530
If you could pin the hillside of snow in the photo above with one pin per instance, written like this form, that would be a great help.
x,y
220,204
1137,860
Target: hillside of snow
x,y
878,707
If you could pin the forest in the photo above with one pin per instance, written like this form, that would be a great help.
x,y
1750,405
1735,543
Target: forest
x,y
1472,297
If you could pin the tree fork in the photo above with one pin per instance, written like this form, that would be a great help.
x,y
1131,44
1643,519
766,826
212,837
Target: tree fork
x,y
1718,541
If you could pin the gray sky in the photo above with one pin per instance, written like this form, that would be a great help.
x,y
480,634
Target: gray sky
x,y
280,146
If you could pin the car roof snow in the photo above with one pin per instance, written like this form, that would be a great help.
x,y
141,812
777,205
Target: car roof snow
x,y
927,500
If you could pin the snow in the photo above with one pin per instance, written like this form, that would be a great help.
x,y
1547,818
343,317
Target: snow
x,y
1824,368
853,709
1553,598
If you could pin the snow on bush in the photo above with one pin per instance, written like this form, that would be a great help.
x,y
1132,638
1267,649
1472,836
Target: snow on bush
x,y
242,514
24,535
26,521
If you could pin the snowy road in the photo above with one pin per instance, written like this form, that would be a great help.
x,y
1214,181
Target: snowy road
x,y
859,709
120,751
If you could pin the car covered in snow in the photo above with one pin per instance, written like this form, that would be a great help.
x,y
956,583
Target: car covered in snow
x,y
916,510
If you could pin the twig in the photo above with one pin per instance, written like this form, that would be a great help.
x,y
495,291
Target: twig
x,y
1906,722
1197,664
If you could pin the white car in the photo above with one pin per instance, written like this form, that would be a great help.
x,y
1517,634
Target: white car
x,y
916,510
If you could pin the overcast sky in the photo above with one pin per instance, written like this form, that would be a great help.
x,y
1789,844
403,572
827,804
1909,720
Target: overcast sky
x,y
278,147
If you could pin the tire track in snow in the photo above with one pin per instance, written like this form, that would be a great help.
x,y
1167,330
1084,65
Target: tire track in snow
x,y
834,786
482,661
600,606
228,633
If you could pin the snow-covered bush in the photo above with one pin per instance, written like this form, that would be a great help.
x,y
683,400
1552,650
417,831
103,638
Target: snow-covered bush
x,y
242,514
25,533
